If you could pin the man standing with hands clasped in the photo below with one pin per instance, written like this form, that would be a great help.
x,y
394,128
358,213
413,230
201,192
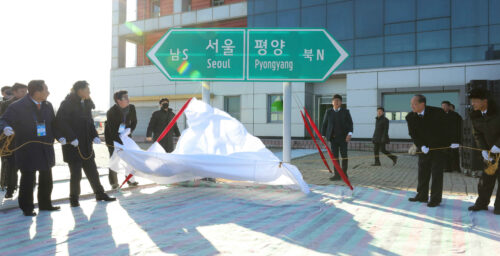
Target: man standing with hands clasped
x,y
431,132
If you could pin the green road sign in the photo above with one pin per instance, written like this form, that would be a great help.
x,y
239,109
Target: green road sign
x,y
247,54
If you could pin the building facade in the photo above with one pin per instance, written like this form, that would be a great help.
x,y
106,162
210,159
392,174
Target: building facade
x,y
397,48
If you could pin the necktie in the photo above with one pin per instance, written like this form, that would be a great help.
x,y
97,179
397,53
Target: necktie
x,y
420,115
38,106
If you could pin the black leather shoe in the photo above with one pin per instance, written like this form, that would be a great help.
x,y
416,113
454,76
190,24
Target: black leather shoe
x,y
104,197
416,199
377,164
496,211
114,186
74,202
132,184
9,195
433,204
394,160
335,177
27,213
476,208
50,208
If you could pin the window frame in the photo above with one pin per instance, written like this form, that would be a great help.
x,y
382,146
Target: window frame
x,y
268,109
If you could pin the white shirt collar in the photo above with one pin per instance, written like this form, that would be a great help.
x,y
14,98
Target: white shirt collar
x,y
336,110
484,112
36,102
422,113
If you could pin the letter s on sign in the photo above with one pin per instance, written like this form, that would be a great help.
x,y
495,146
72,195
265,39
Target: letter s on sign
x,y
185,54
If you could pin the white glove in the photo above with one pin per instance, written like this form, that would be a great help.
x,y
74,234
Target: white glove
x,y
125,132
455,145
75,143
425,149
486,156
8,131
97,140
495,150
62,140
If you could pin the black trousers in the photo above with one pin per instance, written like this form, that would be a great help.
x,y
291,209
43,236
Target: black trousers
x,y
90,169
10,169
453,160
485,189
28,177
342,148
3,174
431,165
381,147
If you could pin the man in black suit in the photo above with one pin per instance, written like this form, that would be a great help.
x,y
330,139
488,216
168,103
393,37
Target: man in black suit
x,y
32,119
453,159
381,137
337,128
486,129
159,120
429,129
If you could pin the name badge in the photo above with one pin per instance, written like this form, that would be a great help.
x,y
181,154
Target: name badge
x,y
122,128
40,129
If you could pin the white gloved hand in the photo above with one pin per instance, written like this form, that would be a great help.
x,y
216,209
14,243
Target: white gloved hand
x,y
455,145
62,140
125,132
495,150
97,140
75,143
8,131
425,149
486,156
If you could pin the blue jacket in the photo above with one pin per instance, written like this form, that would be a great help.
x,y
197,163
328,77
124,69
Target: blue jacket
x,y
22,116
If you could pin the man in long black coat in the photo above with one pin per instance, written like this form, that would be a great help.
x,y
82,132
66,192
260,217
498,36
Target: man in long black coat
x,y
159,120
9,162
119,118
32,119
337,128
381,137
453,160
74,120
486,129
430,130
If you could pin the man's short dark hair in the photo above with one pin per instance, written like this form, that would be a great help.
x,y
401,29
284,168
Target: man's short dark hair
x,y
421,98
446,102
453,106
478,93
119,94
35,86
163,99
5,88
336,96
79,85
381,108
18,86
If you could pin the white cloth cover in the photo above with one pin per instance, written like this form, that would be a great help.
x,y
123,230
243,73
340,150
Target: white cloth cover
x,y
214,146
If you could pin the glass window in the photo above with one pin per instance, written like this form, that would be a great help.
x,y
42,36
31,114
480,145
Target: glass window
x,y
369,19
289,18
155,8
433,56
275,108
265,20
263,6
232,106
397,105
312,2
400,28
340,13
434,24
469,36
131,10
399,10
466,13
400,59
186,5
433,8
369,46
494,7
314,16
368,61
287,4
468,54
400,43
495,34
217,2
130,54
433,40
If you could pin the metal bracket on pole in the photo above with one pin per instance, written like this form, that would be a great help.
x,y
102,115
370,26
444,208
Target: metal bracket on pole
x,y
287,122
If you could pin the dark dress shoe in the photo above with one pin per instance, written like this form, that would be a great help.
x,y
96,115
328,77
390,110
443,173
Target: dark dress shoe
x,y
132,184
104,197
476,208
50,208
74,203
417,199
394,160
29,213
433,204
376,164
9,195
335,177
